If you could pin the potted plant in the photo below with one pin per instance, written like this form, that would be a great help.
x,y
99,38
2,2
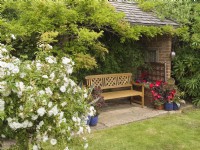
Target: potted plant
x,y
97,102
177,99
162,94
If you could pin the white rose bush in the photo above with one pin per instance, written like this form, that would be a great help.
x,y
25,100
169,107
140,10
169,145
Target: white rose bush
x,y
39,102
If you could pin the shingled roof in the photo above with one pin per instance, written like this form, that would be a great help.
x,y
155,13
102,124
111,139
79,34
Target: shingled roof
x,y
136,16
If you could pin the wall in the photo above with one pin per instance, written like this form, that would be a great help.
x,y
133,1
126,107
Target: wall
x,y
162,44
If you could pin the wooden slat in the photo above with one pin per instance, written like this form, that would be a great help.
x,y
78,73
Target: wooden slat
x,y
107,81
114,87
120,94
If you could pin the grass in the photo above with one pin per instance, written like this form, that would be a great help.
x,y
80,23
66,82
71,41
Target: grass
x,y
171,132
168,132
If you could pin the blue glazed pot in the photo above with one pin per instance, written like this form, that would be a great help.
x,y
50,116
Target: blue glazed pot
x,y
168,106
176,106
93,120
88,120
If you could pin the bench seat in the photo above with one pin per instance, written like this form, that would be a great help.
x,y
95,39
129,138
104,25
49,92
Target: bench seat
x,y
120,94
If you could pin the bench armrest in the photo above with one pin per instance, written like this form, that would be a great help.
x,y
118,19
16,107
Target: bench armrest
x,y
140,85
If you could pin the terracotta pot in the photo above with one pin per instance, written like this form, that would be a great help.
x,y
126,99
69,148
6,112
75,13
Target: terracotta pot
x,y
159,107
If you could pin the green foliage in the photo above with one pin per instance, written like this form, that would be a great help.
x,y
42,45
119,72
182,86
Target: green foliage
x,y
186,71
122,57
70,27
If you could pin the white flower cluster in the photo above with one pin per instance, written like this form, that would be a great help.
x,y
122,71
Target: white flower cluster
x,y
2,103
45,46
92,111
14,124
39,95
68,63
8,65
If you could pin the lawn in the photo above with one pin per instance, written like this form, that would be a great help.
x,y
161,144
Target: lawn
x,y
168,132
171,132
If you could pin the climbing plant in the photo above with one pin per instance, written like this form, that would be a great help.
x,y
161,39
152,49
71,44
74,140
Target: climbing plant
x,y
69,27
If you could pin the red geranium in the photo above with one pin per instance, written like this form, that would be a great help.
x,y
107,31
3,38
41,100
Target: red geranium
x,y
161,92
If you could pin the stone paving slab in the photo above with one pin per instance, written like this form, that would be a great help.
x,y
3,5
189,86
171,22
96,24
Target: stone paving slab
x,y
125,113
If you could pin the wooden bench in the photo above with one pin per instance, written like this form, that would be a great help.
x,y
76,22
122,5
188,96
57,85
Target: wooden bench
x,y
116,86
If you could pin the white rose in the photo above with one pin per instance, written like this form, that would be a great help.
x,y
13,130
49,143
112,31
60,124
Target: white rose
x,y
88,129
41,123
80,130
21,108
48,91
45,138
30,124
52,76
15,70
53,111
63,89
13,37
38,65
61,115
69,70
35,147
53,141
4,50
86,146
9,120
85,95
45,77
63,104
25,124
2,103
41,111
74,119
22,75
50,59
41,92
65,60
20,85
50,104
66,148
28,66
15,125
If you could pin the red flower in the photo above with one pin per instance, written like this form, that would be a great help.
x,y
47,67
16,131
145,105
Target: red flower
x,y
151,85
158,83
161,92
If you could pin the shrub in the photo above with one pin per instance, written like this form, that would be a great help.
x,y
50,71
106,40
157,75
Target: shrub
x,y
38,99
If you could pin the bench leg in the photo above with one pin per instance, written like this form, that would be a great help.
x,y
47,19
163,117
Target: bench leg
x,y
142,101
131,100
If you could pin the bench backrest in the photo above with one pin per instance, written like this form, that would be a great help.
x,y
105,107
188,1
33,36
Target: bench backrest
x,y
108,81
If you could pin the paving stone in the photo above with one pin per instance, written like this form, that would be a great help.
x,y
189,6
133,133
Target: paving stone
x,y
122,113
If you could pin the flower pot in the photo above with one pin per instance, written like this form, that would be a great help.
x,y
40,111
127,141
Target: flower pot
x,y
88,120
168,106
176,106
93,120
159,107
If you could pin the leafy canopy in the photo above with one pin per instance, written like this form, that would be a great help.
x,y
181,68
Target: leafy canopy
x,y
71,27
